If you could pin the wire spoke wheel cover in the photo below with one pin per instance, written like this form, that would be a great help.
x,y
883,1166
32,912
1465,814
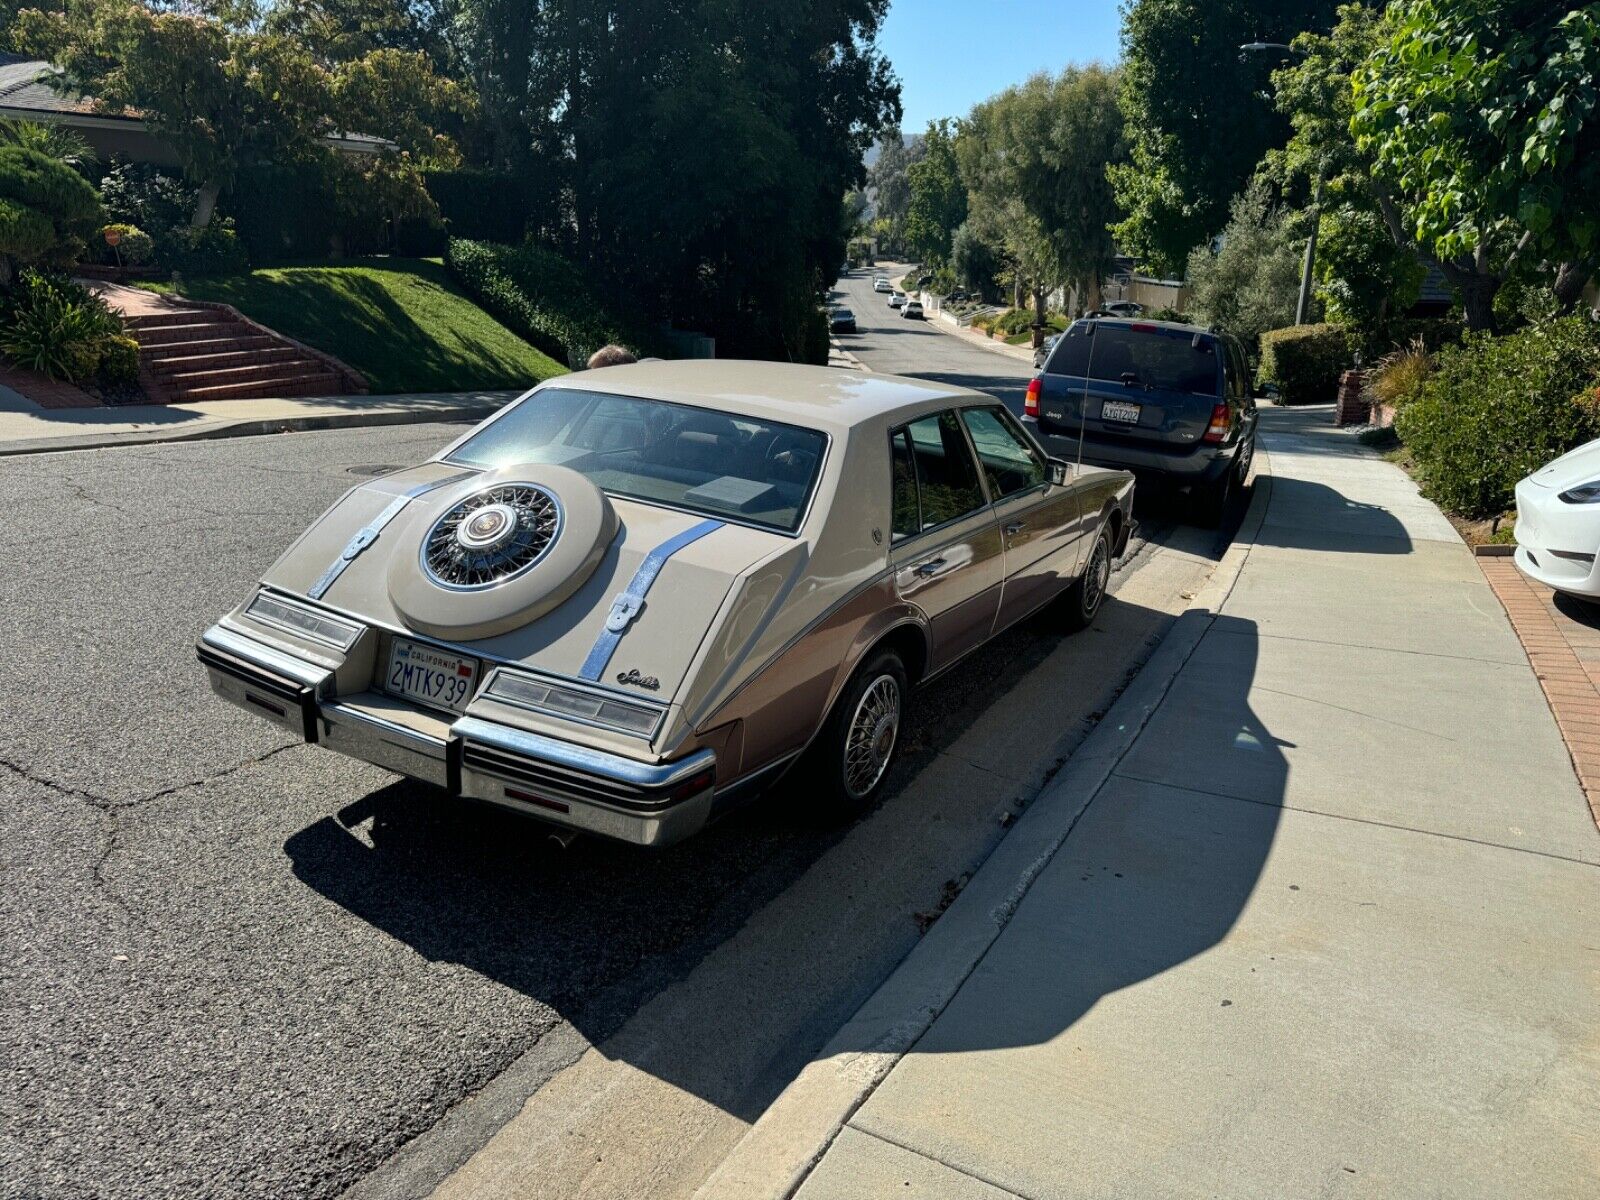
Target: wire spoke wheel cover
x,y
1096,576
499,550
870,741
492,536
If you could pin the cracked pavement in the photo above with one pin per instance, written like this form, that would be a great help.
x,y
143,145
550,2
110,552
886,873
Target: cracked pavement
x,y
235,965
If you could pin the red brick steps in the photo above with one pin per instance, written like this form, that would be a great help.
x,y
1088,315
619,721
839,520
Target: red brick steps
x,y
207,352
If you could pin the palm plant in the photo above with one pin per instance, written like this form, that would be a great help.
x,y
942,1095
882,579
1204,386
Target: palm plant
x,y
65,145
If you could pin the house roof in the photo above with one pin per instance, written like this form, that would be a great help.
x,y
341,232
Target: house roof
x,y
25,87
26,91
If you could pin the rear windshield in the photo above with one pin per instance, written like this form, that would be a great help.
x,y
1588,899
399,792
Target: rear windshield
x,y
1167,359
695,458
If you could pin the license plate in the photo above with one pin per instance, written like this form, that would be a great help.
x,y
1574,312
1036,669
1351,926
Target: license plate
x,y
1119,410
434,677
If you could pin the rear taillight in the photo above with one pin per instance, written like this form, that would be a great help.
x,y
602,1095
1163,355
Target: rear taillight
x,y
1030,402
1221,421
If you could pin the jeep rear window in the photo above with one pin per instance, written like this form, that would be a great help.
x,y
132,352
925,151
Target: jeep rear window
x,y
699,459
1166,359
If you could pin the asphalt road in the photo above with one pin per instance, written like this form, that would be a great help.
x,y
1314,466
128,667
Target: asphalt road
x,y
233,965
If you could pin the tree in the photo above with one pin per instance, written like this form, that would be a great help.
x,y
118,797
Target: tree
x,y
974,261
1364,277
888,179
1252,282
1199,120
53,141
1035,159
1481,124
938,201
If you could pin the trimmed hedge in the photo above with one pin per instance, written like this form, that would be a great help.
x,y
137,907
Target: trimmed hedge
x,y
1497,408
1305,362
541,296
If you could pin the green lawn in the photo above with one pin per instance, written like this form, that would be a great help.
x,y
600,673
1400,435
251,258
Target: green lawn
x,y
401,322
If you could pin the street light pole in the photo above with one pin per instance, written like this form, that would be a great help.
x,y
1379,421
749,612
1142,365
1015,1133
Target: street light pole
x,y
1302,308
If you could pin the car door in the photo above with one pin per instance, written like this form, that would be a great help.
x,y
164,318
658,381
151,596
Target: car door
x,y
945,547
1040,521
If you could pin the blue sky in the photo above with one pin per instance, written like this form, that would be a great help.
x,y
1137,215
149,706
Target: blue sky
x,y
950,54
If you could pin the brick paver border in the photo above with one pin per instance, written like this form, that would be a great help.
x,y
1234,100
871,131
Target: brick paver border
x,y
1566,658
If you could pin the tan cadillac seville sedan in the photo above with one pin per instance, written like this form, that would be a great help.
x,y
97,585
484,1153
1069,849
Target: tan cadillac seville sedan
x,y
638,594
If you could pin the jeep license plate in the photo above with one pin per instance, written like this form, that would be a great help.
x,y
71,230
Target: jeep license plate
x,y
1120,410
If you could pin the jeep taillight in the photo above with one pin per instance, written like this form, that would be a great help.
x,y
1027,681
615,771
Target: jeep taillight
x,y
1221,421
1030,402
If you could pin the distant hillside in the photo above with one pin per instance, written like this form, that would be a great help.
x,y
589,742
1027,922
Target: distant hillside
x,y
871,156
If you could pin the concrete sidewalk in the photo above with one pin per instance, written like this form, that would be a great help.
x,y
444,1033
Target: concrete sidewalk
x,y
1313,912
25,428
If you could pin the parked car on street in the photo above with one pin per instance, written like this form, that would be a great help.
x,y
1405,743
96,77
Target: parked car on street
x,y
881,284
842,320
1155,396
1558,523
912,309
1124,308
896,299
639,594
1042,352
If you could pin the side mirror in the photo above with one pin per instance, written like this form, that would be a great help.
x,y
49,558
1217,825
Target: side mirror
x,y
1060,471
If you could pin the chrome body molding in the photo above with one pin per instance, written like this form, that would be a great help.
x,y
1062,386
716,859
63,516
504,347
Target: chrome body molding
x,y
647,803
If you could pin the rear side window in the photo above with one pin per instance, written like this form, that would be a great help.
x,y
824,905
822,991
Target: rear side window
x,y
1144,356
946,476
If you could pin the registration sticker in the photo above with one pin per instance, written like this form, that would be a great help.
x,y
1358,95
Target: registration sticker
x,y
435,677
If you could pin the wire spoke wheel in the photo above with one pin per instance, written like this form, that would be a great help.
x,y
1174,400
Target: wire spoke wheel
x,y
1096,576
870,741
491,536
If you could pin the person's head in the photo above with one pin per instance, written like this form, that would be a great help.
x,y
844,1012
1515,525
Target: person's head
x,y
611,356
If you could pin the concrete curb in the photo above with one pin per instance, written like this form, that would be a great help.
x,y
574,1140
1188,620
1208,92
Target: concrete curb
x,y
785,1144
250,427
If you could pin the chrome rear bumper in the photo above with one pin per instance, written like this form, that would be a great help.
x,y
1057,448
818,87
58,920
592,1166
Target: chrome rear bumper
x,y
648,804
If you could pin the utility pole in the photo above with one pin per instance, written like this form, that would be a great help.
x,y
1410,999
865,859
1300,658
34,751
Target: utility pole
x,y
1302,309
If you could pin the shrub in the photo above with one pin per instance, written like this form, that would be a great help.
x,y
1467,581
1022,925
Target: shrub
x,y
1496,409
1399,377
1305,362
53,326
1014,320
48,211
420,237
119,360
1250,284
541,296
143,195
134,245
213,250
492,206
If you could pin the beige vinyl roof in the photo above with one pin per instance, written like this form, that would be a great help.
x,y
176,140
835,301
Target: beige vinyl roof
x,y
827,398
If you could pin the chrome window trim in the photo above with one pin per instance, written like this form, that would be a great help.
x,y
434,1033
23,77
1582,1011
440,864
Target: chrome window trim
x,y
608,695
290,601
580,758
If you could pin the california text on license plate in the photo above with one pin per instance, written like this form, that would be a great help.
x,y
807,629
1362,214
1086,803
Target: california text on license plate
x,y
1117,410
435,677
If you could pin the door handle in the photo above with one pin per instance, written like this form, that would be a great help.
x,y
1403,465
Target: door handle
x,y
1016,527
932,567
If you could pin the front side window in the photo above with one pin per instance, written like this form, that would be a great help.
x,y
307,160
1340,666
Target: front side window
x,y
1010,463
716,463
946,476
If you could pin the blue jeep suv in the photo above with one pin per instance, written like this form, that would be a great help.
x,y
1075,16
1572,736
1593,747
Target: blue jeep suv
x,y
1150,396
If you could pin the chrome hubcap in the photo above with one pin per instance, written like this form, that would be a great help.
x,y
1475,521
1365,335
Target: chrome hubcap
x,y
1096,577
873,728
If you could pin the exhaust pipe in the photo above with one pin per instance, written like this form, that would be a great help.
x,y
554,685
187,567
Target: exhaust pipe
x,y
563,837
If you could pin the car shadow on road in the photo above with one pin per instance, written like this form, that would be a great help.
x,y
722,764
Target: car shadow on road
x,y
595,931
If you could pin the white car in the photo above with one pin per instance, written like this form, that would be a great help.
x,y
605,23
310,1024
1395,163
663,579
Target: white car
x,y
880,284
1558,523
896,299
912,309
